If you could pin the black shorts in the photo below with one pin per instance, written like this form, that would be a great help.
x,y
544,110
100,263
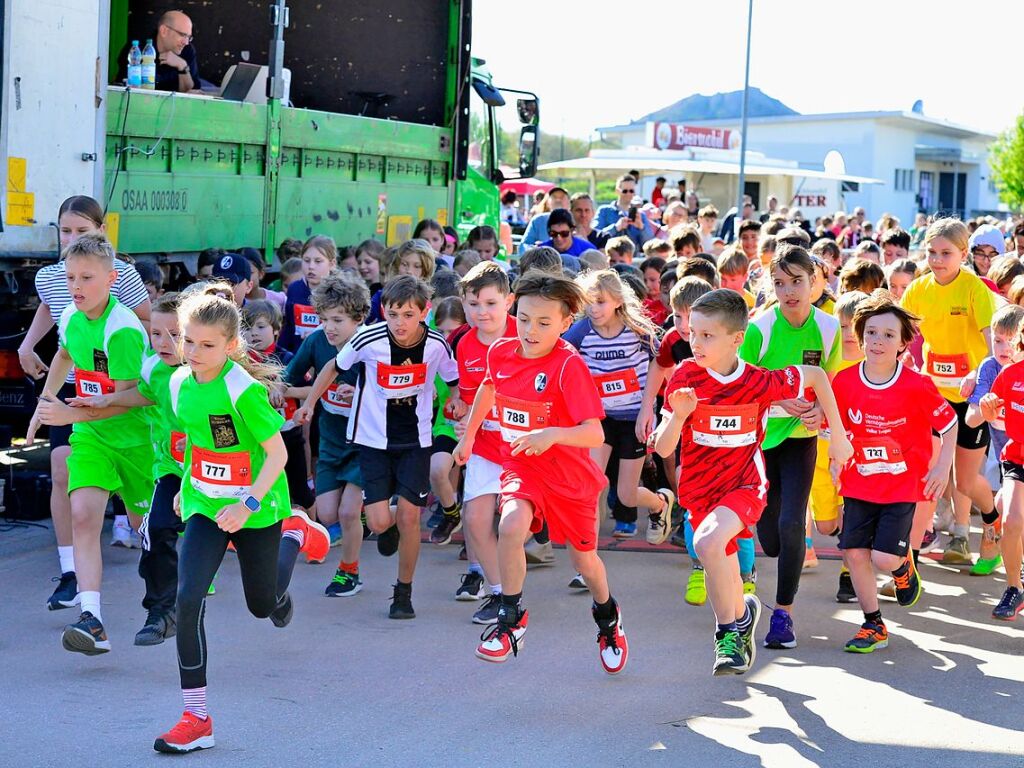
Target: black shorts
x,y
1012,470
61,436
404,471
969,437
443,444
621,436
882,527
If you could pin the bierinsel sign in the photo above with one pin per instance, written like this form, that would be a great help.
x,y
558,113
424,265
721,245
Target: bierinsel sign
x,y
680,136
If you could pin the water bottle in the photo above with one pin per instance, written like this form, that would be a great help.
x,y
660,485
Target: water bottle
x,y
149,66
135,66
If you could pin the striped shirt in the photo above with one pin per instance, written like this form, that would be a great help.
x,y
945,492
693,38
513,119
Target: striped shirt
x,y
52,287
618,364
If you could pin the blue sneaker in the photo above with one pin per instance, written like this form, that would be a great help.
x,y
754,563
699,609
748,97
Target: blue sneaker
x,y
334,531
436,516
624,530
780,631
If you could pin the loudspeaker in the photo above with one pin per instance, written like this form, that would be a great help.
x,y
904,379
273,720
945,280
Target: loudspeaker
x,y
26,495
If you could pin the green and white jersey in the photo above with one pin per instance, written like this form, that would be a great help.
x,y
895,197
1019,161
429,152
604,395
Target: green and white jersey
x,y
108,349
165,430
772,343
225,421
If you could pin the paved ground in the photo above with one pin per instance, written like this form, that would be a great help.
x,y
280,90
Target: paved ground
x,y
343,685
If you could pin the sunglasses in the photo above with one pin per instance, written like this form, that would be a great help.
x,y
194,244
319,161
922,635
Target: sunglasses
x,y
627,191
559,233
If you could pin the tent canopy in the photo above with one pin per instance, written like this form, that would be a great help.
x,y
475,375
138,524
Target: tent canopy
x,y
525,187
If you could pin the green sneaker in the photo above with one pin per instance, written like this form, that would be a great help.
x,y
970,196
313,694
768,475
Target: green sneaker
x,y
696,588
986,566
731,656
870,637
344,584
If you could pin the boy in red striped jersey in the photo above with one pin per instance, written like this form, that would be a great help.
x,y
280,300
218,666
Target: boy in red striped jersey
x,y
716,405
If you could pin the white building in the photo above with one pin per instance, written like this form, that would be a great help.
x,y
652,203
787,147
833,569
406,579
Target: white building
x,y
926,164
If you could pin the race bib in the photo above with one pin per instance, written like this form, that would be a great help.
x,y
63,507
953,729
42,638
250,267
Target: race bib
x,y
724,426
947,371
306,320
178,456
221,475
335,402
619,389
92,384
398,381
518,417
491,424
878,456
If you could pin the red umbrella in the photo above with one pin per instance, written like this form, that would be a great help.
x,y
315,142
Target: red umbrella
x,y
525,187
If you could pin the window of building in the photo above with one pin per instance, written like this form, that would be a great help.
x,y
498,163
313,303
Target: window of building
x,y
903,180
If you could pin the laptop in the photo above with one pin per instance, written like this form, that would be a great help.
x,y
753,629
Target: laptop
x,y
240,81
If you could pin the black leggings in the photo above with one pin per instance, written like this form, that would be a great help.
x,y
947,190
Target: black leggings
x,y
158,565
783,524
296,469
202,551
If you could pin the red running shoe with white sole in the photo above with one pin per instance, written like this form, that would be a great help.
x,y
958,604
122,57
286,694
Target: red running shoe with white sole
x,y
612,643
190,734
316,541
502,640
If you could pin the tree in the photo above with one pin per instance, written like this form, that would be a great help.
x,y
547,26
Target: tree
x,y
1006,158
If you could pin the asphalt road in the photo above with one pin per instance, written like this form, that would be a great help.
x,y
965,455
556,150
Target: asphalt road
x,y
343,685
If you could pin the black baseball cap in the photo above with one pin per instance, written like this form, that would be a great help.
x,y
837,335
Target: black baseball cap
x,y
233,267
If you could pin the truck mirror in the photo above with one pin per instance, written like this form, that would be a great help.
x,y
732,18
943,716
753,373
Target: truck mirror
x,y
528,151
527,109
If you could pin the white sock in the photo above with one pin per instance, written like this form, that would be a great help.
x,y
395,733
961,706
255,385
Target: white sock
x,y
195,701
121,521
91,603
495,589
295,533
67,558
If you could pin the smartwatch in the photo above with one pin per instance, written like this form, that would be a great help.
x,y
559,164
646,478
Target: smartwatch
x,y
251,503
183,71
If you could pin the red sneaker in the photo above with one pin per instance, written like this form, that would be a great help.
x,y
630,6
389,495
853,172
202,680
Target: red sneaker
x,y
188,735
502,640
316,541
611,641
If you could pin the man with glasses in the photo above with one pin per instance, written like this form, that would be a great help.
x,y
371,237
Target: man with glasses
x,y
581,206
177,67
538,226
614,220
561,238
986,244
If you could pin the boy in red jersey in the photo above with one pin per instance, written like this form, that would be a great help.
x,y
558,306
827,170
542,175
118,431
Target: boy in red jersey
x,y
549,415
487,298
889,411
716,405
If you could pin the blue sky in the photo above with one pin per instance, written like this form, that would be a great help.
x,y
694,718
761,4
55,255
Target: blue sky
x,y
600,62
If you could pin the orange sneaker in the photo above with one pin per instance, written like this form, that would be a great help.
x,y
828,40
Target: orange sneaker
x,y
908,586
188,735
316,541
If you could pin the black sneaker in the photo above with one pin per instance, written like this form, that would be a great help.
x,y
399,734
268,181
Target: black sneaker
x,y
845,593
488,612
401,603
678,537
908,586
472,587
66,593
159,626
344,584
85,636
387,542
449,525
1010,605
282,614
730,654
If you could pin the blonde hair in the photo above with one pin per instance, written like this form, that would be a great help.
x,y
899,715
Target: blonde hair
x,y
847,304
951,229
393,257
324,244
1007,319
206,307
629,311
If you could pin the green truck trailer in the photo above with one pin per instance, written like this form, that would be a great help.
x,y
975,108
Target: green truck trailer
x,y
362,120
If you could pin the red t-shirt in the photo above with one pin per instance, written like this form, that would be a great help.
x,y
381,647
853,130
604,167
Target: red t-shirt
x,y
471,356
551,391
657,196
1009,385
890,426
657,311
721,441
673,350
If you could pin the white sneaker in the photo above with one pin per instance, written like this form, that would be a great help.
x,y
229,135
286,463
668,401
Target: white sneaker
x,y
539,554
578,582
944,518
659,527
121,535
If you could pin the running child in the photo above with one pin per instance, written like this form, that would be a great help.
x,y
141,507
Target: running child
x,y
715,409
487,298
319,258
235,492
391,420
956,309
549,414
890,412
111,451
342,303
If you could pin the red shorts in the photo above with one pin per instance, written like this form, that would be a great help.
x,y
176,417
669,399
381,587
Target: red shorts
x,y
570,520
745,502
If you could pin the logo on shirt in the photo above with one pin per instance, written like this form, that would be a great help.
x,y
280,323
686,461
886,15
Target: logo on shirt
x,y
855,416
99,361
222,427
610,354
812,357
1018,386
957,311
501,375
540,382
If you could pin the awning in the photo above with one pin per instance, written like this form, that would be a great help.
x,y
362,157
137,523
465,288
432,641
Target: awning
x,y
645,163
525,187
